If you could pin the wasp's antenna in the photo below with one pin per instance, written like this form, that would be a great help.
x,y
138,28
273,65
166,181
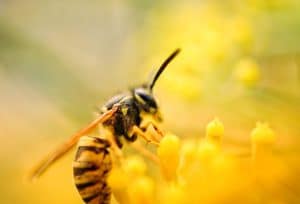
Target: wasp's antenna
x,y
162,67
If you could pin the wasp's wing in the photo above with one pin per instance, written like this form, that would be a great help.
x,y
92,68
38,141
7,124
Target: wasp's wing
x,y
42,166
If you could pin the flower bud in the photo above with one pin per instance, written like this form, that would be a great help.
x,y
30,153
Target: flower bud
x,y
142,191
262,138
168,152
247,72
134,166
215,132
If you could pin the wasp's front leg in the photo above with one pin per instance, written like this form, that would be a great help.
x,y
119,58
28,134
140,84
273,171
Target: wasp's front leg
x,y
151,125
146,135
154,131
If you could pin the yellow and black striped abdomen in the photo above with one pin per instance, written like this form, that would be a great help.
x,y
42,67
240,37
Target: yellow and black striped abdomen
x,y
90,168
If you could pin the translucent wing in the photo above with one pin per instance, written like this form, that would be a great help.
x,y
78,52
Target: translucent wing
x,y
42,166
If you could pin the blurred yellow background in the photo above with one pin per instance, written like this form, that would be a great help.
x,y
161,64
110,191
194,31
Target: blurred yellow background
x,y
61,59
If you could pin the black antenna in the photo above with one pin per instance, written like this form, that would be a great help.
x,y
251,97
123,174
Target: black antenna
x,y
162,67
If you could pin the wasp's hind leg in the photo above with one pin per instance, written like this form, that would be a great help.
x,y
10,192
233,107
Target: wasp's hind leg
x,y
91,167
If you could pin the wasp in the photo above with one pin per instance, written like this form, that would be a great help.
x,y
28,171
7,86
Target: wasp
x,y
125,117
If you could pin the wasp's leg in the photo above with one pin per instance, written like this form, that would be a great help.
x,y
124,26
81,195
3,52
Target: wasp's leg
x,y
147,137
153,131
140,148
145,152
152,127
131,138
91,167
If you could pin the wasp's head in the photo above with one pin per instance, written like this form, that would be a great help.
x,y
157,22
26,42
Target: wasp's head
x,y
144,94
145,99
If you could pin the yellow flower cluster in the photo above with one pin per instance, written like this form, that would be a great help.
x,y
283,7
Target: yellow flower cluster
x,y
130,184
201,170
213,50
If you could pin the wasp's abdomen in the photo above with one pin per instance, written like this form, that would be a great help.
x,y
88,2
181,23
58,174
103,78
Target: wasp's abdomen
x,y
90,168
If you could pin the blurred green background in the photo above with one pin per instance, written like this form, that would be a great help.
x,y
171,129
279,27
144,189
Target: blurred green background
x,y
61,59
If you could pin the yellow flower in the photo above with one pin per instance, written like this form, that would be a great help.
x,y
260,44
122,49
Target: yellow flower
x,y
206,152
215,132
141,190
183,85
262,134
173,194
134,166
168,153
262,138
199,170
241,32
247,72
187,158
117,179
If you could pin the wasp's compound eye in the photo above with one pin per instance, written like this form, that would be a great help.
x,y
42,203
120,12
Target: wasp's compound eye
x,y
146,98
